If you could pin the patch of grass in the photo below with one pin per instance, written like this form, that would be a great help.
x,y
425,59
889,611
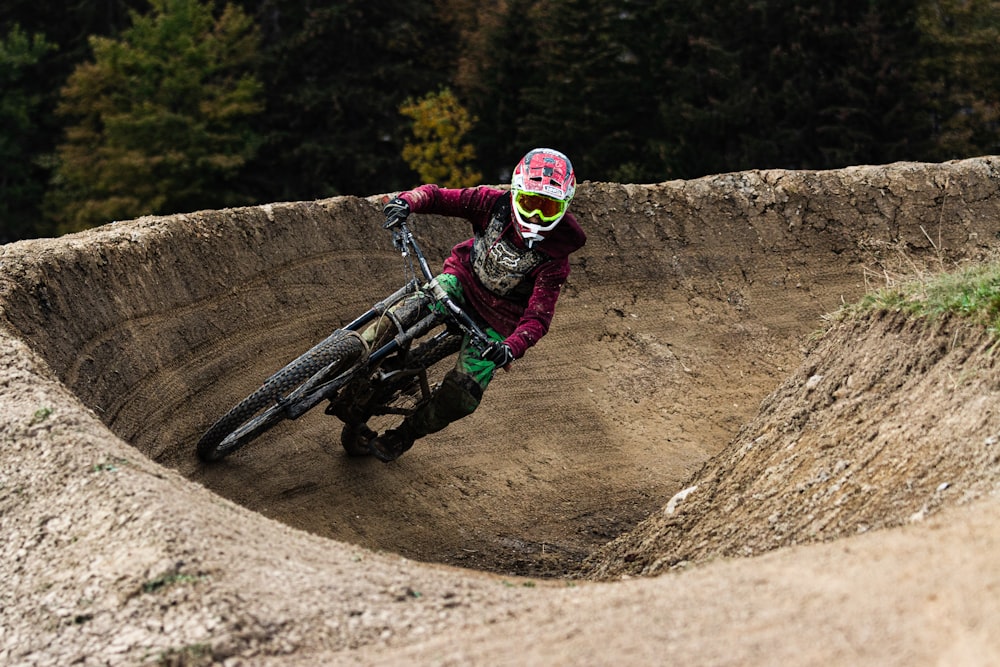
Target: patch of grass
x,y
973,293
41,414
110,465
190,655
170,579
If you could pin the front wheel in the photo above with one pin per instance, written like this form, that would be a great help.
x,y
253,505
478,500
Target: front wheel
x,y
262,409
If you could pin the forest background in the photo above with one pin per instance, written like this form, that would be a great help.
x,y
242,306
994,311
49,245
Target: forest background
x,y
112,109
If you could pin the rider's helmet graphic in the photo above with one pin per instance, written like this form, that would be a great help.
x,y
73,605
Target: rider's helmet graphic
x,y
541,188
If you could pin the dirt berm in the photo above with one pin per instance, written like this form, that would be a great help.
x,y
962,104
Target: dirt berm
x,y
693,467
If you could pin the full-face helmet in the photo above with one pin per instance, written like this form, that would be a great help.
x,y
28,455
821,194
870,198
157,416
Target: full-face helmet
x,y
541,189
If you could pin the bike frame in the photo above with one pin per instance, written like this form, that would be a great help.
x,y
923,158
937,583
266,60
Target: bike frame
x,y
246,421
404,241
308,395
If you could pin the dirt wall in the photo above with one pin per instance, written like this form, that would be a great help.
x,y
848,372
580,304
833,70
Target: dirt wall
x,y
687,306
692,302
188,282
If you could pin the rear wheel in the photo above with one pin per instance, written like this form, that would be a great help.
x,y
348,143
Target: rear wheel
x,y
262,409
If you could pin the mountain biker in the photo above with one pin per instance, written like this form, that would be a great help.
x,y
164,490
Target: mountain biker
x,y
508,275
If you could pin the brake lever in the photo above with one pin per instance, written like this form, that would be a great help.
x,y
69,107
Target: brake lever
x,y
481,344
398,242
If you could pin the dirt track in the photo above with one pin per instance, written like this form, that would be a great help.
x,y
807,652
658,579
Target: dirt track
x,y
692,303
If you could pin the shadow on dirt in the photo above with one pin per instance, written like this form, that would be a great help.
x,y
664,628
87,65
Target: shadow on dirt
x,y
691,303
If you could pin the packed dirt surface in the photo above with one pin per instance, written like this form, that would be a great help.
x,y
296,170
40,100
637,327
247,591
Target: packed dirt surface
x,y
694,465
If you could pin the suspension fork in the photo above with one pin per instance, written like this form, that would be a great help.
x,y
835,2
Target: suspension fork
x,y
383,306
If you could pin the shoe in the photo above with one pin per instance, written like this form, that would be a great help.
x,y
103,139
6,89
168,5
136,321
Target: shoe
x,y
354,438
390,445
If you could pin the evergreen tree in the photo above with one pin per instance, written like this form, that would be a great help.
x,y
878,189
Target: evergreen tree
x,y
690,69
22,141
335,77
497,61
584,95
836,86
161,117
66,27
778,83
961,76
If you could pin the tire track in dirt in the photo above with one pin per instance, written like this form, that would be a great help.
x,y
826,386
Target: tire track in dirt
x,y
692,303
685,309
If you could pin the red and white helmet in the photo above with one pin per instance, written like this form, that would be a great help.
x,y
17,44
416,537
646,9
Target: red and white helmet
x,y
541,189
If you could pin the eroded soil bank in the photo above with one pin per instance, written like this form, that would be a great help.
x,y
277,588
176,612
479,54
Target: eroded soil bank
x,y
692,303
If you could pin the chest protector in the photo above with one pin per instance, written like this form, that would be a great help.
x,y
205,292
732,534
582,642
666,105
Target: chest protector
x,y
500,265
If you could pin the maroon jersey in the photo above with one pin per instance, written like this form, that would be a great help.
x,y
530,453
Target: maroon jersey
x,y
513,288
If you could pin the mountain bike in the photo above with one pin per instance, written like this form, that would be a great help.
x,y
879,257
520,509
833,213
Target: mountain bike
x,y
373,372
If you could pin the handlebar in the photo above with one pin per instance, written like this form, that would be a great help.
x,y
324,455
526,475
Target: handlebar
x,y
404,241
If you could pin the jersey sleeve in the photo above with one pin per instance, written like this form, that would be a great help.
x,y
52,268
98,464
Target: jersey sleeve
x,y
473,204
537,317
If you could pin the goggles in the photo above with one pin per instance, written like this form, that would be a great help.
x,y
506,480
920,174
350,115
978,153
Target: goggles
x,y
530,204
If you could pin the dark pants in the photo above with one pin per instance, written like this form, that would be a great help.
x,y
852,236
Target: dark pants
x,y
462,388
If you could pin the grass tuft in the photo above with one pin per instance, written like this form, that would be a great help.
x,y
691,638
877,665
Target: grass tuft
x,y
973,293
41,414
171,579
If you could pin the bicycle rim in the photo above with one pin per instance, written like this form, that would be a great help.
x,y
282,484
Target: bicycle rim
x,y
337,353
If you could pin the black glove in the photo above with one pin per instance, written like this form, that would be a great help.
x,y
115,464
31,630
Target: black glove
x,y
395,212
499,353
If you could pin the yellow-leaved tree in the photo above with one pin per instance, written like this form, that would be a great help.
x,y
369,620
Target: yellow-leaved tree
x,y
437,152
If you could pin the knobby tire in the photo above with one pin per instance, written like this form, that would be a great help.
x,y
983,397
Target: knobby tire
x,y
339,352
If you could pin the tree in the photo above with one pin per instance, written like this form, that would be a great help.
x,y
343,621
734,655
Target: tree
x,y
68,24
77,19
162,117
335,76
777,83
22,174
961,76
585,95
496,61
438,153
838,86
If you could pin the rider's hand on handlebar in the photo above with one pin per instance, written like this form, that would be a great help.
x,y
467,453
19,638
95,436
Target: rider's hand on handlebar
x,y
499,353
395,212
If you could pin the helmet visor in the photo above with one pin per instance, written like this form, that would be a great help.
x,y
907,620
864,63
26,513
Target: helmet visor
x,y
530,204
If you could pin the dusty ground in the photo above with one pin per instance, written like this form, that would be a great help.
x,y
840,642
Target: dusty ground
x,y
771,495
